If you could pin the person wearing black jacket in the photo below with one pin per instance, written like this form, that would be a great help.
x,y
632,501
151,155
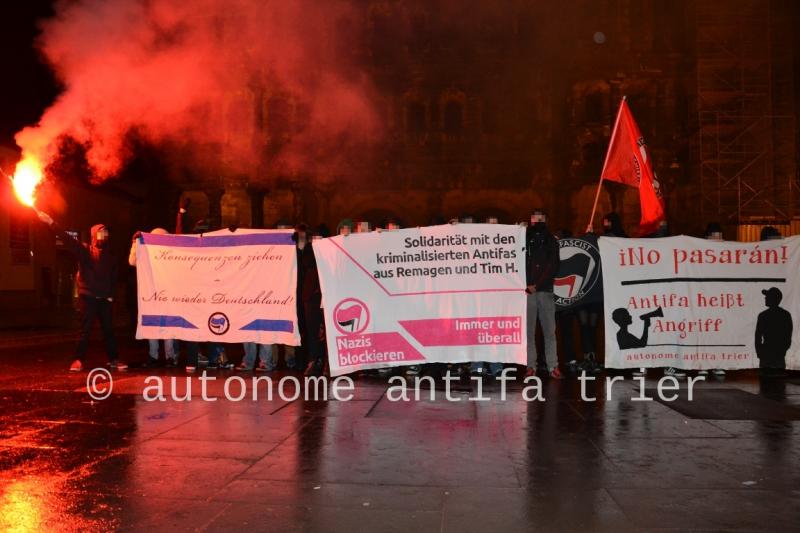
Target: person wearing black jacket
x,y
305,262
97,280
541,266
312,310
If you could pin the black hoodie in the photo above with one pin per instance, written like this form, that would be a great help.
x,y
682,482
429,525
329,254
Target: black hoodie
x,y
541,258
97,266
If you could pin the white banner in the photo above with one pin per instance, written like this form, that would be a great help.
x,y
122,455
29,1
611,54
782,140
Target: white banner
x,y
700,304
452,293
222,287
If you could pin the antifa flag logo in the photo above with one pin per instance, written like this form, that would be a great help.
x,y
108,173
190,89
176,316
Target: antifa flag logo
x,y
218,323
351,316
573,271
578,274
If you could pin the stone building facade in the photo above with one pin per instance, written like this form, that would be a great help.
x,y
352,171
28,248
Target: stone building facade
x,y
494,112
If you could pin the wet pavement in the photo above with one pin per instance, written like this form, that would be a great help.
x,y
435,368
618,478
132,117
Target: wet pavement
x,y
371,464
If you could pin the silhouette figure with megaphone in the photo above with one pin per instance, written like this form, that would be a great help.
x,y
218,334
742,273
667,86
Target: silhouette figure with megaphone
x,y
626,339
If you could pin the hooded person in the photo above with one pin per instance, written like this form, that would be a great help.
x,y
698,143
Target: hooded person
x,y
97,280
541,266
770,233
313,313
305,256
588,315
713,232
169,344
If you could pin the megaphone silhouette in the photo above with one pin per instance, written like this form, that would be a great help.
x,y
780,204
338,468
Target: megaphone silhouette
x,y
653,314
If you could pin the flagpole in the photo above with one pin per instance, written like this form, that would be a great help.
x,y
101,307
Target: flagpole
x,y
589,227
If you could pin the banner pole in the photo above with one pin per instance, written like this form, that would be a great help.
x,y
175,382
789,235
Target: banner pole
x,y
589,227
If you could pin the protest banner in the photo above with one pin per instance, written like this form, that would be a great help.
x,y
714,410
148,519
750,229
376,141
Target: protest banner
x,y
234,287
451,293
700,304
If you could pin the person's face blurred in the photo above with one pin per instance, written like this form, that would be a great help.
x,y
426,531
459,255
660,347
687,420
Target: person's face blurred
x,y
101,238
344,230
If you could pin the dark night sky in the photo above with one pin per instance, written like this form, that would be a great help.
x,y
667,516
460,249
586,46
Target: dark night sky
x,y
28,87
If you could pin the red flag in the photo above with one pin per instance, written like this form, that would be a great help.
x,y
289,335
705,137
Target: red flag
x,y
348,316
627,162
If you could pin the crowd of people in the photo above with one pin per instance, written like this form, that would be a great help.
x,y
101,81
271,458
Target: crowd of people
x,y
98,272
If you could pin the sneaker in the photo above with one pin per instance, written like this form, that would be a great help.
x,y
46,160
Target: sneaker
x,y
590,364
702,373
263,368
674,372
212,366
640,372
226,365
76,366
530,372
412,370
116,365
383,372
556,374
315,369
573,368
243,368
190,369
718,372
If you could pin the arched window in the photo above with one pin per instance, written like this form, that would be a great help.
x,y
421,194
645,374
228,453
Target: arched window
x,y
594,108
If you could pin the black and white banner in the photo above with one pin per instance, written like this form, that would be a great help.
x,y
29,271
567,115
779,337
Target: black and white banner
x,y
701,304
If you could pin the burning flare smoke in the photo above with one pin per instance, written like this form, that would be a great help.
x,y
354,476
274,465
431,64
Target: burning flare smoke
x,y
198,73
27,178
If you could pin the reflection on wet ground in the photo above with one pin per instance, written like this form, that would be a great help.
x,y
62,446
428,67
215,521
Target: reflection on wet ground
x,y
69,463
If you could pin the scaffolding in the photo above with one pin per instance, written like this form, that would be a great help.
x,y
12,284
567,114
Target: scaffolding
x,y
745,111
